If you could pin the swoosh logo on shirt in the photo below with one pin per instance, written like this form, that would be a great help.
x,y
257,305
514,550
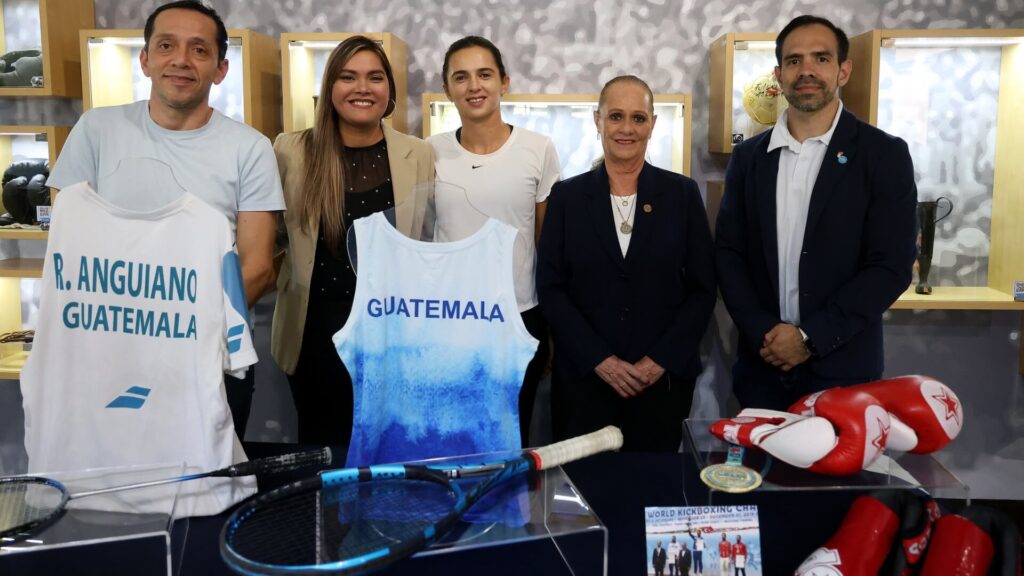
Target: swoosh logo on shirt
x,y
475,166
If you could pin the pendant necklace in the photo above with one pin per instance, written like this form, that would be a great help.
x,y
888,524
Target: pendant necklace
x,y
626,227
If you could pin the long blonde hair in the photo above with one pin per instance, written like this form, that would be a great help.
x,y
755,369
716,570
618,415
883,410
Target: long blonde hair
x,y
323,200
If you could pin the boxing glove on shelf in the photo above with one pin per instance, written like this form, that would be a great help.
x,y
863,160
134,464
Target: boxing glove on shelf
x,y
847,433
925,414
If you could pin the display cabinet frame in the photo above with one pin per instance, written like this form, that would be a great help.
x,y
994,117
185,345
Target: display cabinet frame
x,y
260,66
681,142
299,74
721,84
13,270
60,21
861,96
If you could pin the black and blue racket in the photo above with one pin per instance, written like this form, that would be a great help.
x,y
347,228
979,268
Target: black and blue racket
x,y
28,504
358,520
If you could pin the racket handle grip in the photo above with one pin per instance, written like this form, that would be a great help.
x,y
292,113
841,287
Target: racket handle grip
x,y
319,458
605,439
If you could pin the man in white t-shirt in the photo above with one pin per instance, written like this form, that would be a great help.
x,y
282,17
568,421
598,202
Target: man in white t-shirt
x,y
225,163
673,556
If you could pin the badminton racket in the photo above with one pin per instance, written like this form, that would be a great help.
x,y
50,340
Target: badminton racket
x,y
358,520
29,504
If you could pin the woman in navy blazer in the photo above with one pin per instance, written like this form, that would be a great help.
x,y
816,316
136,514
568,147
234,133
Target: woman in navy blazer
x,y
626,278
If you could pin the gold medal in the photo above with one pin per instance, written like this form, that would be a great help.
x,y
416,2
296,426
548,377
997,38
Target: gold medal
x,y
730,478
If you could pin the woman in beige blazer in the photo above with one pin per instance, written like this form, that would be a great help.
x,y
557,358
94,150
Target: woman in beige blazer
x,y
349,165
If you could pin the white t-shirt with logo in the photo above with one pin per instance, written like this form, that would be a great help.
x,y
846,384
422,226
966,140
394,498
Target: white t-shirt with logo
x,y
506,184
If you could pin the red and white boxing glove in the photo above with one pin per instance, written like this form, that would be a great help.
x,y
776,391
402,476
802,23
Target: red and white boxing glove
x,y
796,440
925,414
860,545
850,438
979,541
959,547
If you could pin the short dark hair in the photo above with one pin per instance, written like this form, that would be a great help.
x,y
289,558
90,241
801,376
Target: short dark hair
x,y
195,6
842,42
469,42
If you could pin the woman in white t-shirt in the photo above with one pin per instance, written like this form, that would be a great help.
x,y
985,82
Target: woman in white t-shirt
x,y
507,173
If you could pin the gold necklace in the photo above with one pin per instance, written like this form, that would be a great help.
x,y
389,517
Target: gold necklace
x,y
626,227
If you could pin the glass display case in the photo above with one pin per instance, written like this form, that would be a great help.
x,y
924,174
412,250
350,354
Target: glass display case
x,y
38,48
737,59
895,471
568,119
94,529
549,508
954,96
303,59
250,93
22,246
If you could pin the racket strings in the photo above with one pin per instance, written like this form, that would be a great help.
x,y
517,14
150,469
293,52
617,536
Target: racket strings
x,y
285,532
25,503
341,523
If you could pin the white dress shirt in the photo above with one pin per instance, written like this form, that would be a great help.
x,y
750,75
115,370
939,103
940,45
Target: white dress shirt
x,y
799,164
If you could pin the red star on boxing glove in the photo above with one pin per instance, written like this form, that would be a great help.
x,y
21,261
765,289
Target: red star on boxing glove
x,y
926,415
951,404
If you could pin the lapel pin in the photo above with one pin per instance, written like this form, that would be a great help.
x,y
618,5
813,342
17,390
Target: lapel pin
x,y
647,208
841,157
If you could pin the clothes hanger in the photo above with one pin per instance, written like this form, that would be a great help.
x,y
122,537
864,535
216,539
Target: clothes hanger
x,y
435,211
141,184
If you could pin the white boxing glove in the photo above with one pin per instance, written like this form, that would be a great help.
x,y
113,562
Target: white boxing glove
x,y
847,433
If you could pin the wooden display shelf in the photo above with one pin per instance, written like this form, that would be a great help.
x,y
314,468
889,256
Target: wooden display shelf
x,y
722,82
59,22
11,365
957,298
12,354
22,141
440,115
55,136
1005,247
303,57
110,63
23,234
21,268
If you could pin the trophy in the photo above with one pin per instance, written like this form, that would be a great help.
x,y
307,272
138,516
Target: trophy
x,y
926,221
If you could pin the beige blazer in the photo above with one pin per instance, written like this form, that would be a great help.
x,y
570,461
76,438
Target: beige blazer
x,y
411,161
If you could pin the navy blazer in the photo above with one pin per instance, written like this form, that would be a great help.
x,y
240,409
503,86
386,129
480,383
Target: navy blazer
x,y
858,249
654,302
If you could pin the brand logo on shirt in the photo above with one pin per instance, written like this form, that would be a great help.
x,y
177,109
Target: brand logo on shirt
x,y
435,309
133,398
234,338
475,166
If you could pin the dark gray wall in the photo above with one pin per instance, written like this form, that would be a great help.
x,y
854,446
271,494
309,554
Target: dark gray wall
x,y
573,46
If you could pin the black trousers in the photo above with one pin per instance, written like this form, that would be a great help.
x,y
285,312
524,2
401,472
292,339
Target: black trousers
x,y
537,326
239,392
650,422
322,391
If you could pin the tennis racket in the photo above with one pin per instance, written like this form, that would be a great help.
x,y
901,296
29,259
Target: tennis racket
x,y
29,504
359,520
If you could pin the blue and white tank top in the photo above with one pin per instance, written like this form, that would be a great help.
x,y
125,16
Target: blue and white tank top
x,y
435,345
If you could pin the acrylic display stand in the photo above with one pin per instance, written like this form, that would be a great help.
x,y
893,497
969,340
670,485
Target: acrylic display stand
x,y
557,529
98,531
896,471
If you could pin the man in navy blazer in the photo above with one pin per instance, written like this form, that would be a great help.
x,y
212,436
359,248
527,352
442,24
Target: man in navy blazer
x,y
815,236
